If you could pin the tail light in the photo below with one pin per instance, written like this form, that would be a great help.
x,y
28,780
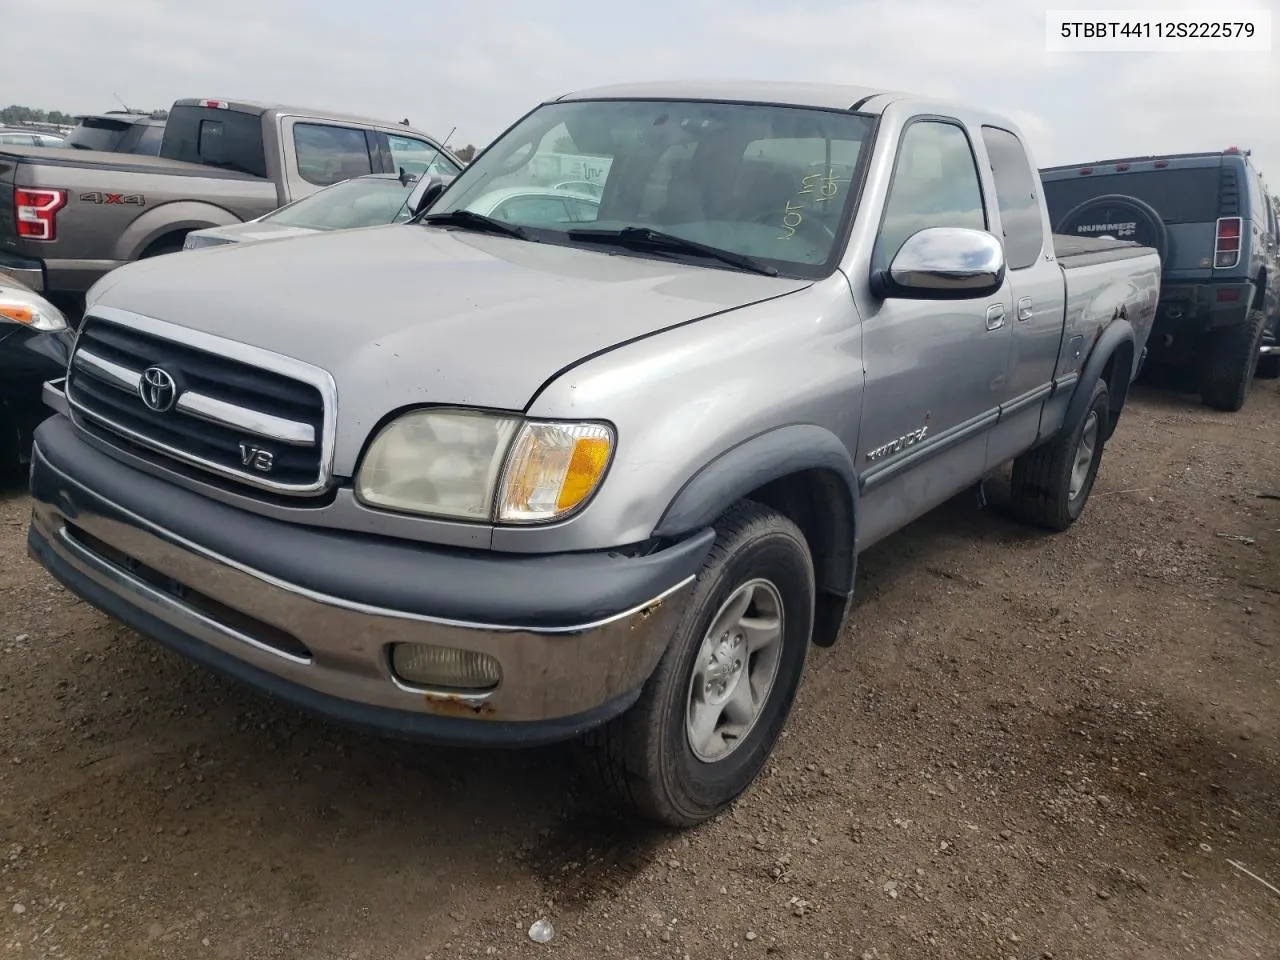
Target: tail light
x,y
1226,250
36,210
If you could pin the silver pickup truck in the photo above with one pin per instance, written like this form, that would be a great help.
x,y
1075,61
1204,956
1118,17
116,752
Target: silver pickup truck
x,y
509,481
69,216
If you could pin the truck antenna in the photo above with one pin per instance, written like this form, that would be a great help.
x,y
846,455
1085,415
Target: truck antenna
x,y
122,103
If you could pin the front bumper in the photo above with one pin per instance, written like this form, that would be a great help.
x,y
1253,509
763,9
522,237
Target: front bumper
x,y
309,615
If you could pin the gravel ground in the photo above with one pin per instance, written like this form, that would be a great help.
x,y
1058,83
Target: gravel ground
x,y
1026,746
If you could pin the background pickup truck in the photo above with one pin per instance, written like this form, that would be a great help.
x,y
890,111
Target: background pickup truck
x,y
603,480
69,216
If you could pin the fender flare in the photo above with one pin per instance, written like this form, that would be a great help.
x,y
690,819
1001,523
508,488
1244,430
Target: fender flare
x,y
1118,332
751,464
180,215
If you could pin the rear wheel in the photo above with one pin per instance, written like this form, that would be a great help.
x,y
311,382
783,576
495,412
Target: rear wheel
x,y
1230,362
1052,483
708,718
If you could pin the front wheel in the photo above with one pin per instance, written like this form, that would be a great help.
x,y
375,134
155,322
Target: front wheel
x,y
710,714
1052,483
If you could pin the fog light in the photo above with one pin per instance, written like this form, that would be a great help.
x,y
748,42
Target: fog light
x,y
444,667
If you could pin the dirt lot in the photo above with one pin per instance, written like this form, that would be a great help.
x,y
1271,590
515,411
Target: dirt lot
x,y
1028,746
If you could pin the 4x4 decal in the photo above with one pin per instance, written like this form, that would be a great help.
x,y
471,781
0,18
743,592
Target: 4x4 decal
x,y
134,199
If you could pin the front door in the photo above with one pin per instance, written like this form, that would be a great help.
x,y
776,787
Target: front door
x,y
934,369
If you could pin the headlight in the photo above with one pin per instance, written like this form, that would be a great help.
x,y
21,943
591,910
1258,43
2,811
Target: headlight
x,y
485,467
30,310
195,241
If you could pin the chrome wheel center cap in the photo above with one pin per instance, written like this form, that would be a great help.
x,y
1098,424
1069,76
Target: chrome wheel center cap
x,y
724,668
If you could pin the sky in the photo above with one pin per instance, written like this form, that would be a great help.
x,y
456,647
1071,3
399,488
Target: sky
x,y
478,65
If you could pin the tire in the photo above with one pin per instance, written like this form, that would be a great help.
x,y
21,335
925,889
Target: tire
x,y
1230,362
1149,228
645,760
1046,489
10,449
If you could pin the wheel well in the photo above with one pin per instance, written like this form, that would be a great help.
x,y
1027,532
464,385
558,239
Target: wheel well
x,y
166,243
1116,374
818,501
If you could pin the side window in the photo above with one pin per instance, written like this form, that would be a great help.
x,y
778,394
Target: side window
x,y
22,139
328,154
149,142
419,158
1016,197
581,211
935,184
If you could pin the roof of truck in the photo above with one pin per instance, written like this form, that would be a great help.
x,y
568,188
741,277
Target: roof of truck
x,y
255,107
826,96
1199,158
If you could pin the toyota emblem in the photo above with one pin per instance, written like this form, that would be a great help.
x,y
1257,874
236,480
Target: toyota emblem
x,y
157,389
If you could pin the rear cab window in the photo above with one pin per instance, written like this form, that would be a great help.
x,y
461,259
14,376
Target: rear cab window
x,y
1016,197
228,139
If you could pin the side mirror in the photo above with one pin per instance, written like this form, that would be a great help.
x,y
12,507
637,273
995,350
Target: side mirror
x,y
424,194
943,263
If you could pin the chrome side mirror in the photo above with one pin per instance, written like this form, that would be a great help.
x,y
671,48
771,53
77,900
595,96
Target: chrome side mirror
x,y
943,263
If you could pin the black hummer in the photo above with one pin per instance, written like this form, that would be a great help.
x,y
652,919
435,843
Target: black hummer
x,y
1213,222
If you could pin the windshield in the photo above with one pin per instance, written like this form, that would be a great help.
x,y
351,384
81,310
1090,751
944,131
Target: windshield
x,y
773,183
360,202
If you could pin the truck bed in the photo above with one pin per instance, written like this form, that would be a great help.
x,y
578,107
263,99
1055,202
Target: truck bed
x,y
1073,251
122,162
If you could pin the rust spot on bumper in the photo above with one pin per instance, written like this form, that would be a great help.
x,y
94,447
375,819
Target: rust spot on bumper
x,y
458,706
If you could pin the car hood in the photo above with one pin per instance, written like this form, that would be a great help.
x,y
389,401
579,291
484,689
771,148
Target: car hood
x,y
255,230
406,314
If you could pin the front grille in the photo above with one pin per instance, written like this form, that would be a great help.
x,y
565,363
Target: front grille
x,y
220,415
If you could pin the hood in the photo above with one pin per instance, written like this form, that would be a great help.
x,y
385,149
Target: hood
x,y
406,314
254,230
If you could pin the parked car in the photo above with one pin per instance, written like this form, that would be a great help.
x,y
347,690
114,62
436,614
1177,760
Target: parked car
x,y
1269,354
23,137
605,481
1210,217
34,346
77,215
386,198
118,131
376,198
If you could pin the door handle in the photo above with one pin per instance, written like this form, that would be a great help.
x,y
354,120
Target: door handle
x,y
1024,308
995,316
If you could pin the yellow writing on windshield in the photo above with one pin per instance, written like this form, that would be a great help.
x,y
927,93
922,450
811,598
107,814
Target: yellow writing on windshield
x,y
821,186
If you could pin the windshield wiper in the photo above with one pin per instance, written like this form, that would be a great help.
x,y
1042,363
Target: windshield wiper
x,y
476,221
648,238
